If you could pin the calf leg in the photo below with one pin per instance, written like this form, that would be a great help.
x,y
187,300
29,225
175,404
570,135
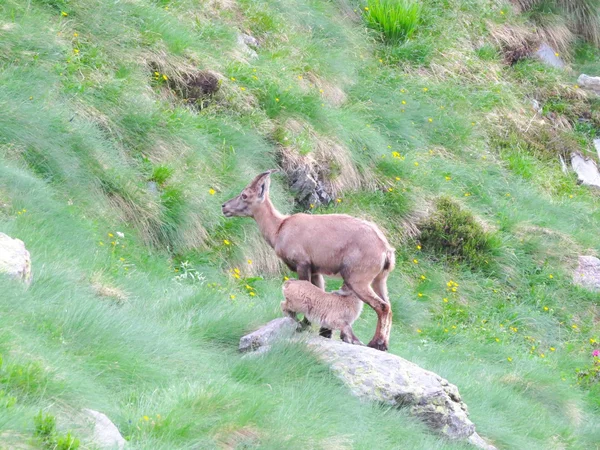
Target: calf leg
x,y
318,280
304,273
347,335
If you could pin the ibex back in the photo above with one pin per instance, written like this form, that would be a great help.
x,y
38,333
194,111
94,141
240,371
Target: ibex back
x,y
325,244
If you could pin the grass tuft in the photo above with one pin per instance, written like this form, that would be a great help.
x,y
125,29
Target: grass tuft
x,y
397,20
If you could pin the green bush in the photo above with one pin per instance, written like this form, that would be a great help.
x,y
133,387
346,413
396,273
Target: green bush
x,y
396,19
453,233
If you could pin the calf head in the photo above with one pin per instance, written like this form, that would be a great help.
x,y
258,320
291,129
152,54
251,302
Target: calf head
x,y
251,197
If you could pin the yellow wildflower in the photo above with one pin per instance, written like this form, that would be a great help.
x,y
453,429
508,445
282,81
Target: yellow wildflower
x,y
423,277
366,8
416,163
418,330
211,191
545,308
550,276
420,294
397,178
252,294
75,34
542,355
445,300
146,418
276,99
75,50
404,102
448,178
226,242
390,189
418,247
430,119
165,77
286,278
64,14
552,349
232,78
236,270
339,200
110,235
425,89
299,77
509,359
497,340
416,261
249,261
232,297
242,88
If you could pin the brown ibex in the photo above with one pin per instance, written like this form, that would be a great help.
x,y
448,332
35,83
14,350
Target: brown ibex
x,y
333,310
325,244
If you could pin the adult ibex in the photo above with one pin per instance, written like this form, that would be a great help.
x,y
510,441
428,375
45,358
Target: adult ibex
x,y
325,244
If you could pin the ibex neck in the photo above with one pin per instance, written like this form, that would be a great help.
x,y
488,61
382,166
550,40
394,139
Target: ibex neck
x,y
269,220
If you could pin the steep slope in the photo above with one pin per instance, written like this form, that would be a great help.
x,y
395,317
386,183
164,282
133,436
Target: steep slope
x,y
125,125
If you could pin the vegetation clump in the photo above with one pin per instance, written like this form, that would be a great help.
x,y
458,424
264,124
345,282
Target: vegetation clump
x,y
453,233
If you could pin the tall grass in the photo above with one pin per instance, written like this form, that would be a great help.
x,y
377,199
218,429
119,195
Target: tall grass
x,y
397,20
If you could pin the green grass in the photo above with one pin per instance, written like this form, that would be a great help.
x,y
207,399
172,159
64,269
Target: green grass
x,y
115,185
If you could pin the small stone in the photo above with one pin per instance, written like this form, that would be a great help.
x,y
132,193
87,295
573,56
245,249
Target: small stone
x,y
587,273
15,260
549,56
586,169
589,83
106,434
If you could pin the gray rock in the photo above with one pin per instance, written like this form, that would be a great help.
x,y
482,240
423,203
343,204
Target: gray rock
x,y
590,83
548,55
284,327
244,48
15,260
106,434
587,273
249,40
307,189
586,170
387,378
382,377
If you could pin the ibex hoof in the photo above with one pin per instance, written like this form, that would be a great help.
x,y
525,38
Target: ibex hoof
x,y
378,344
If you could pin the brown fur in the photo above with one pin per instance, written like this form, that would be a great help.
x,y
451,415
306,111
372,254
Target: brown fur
x,y
331,244
333,310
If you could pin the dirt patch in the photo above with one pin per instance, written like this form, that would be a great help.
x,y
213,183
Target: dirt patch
x,y
183,80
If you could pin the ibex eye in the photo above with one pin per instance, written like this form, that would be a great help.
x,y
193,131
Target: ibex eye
x,y
244,196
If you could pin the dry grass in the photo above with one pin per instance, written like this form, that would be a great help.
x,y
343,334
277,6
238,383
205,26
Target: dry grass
x,y
329,91
515,41
103,289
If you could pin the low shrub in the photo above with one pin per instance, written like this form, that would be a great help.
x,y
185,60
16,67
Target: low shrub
x,y
453,233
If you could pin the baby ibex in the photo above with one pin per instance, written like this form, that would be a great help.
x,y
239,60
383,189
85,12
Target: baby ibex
x,y
333,310
325,244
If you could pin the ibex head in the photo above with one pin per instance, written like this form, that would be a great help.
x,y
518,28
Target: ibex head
x,y
251,197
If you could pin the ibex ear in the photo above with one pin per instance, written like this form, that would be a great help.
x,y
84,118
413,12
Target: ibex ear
x,y
263,182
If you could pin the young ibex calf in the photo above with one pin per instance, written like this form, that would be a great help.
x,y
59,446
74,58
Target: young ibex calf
x,y
314,245
334,310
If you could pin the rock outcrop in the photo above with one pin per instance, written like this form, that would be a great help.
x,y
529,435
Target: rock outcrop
x,y
106,434
549,56
587,273
377,376
15,260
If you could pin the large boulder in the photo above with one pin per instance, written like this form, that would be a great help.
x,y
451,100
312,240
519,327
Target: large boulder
x,y
382,377
106,434
15,260
587,273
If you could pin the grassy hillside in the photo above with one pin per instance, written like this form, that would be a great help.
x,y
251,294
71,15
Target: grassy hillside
x,y
125,125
